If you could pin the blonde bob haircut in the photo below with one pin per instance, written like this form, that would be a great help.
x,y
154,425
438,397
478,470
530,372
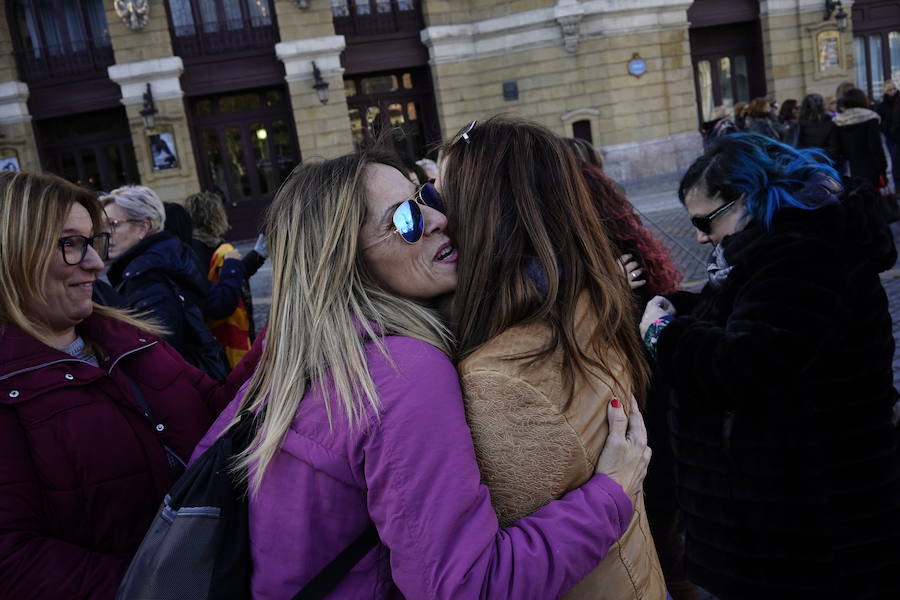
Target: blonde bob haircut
x,y
33,211
326,305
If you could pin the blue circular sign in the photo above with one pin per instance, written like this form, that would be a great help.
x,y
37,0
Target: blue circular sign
x,y
637,66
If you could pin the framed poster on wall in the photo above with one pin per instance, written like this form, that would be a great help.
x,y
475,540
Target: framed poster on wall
x,y
828,50
163,154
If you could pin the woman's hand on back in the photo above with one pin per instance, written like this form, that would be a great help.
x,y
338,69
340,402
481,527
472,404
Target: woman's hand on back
x,y
632,271
625,454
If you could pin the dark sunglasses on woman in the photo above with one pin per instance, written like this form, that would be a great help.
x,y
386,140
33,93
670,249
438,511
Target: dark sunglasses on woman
x,y
408,219
704,223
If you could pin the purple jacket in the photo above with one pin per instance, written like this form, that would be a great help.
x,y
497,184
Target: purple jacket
x,y
413,473
82,471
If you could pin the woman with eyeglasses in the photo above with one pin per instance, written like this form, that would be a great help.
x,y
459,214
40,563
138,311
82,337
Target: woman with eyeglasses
x,y
97,413
157,273
545,326
784,414
361,420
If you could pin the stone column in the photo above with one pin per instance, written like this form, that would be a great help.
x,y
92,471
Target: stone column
x,y
791,31
323,130
16,133
174,184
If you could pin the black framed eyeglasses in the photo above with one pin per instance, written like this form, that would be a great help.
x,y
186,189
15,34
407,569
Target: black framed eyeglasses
x,y
74,247
704,223
463,133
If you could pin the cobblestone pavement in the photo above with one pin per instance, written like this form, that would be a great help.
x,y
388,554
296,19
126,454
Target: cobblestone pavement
x,y
660,210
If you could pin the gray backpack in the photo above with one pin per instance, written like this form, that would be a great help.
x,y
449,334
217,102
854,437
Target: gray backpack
x,y
198,546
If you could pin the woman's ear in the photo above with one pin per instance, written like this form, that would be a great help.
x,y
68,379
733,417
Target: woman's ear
x,y
145,227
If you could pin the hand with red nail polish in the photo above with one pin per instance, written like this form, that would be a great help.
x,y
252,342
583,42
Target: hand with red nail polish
x,y
625,454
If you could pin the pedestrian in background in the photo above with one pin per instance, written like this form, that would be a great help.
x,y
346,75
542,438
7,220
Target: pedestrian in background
x,y
889,111
97,412
362,421
157,274
789,113
760,118
814,128
235,331
783,413
859,140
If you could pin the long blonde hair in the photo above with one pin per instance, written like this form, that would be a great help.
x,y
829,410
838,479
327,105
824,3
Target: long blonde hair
x,y
33,211
325,305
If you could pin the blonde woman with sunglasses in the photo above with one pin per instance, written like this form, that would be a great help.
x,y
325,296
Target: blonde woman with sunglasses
x,y
361,418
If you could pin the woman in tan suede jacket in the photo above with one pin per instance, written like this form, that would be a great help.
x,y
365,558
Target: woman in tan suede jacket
x,y
545,327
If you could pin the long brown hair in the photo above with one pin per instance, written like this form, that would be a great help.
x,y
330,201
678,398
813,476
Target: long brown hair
x,y
530,243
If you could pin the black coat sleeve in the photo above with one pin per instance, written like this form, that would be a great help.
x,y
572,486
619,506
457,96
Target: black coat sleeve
x,y
780,317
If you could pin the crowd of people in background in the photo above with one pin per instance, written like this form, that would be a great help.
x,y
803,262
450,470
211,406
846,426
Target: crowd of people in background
x,y
455,374
860,135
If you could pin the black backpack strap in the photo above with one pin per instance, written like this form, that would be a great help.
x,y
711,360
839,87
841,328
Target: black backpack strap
x,y
330,576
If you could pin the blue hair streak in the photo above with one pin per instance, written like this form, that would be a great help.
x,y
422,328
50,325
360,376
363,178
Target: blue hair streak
x,y
768,174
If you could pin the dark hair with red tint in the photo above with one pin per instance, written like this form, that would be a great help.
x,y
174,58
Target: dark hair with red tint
x,y
629,234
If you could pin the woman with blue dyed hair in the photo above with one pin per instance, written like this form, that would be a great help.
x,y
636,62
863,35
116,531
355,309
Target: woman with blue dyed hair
x,y
784,416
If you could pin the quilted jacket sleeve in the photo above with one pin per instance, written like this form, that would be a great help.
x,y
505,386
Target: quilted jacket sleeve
x,y
222,298
217,395
33,565
152,296
434,514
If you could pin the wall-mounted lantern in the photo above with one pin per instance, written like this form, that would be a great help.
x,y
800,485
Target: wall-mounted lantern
x,y
148,112
320,85
840,17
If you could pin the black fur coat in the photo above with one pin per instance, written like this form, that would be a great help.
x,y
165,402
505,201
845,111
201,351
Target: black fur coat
x,y
786,452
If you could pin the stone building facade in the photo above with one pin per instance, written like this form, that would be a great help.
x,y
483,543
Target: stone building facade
x,y
232,81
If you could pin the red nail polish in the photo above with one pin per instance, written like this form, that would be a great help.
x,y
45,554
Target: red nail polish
x,y
615,403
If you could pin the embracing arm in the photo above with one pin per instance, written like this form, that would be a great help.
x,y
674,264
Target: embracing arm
x,y
780,318
33,564
431,510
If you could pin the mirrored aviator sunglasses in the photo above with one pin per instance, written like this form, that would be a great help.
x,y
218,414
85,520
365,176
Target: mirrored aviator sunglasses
x,y
408,219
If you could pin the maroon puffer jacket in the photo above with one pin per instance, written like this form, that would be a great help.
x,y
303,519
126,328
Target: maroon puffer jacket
x,y
82,470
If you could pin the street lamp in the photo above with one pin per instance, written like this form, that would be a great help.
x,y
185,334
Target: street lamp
x,y
840,18
148,112
320,85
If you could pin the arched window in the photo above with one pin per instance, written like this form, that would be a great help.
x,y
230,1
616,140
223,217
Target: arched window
x,y
213,26
60,37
